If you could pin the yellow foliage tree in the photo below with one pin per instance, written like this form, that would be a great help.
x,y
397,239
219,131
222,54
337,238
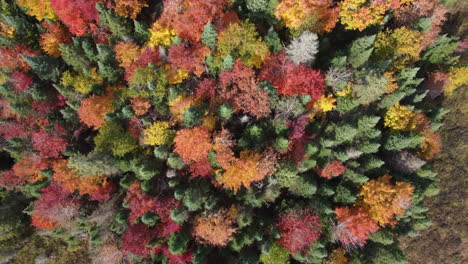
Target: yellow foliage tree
x,y
161,35
158,134
399,117
458,77
326,103
82,83
242,39
39,8
402,44
337,256
6,30
359,14
175,75
316,13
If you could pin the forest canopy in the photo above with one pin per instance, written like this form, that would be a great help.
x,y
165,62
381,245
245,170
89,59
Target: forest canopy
x,y
211,131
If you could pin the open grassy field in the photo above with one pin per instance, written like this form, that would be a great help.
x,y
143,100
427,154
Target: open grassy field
x,y
446,241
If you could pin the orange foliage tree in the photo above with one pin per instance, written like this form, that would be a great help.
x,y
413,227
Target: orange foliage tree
x,y
240,88
10,57
93,110
383,200
29,167
222,144
216,228
430,146
129,8
96,186
140,105
55,35
291,79
250,167
127,53
334,168
193,145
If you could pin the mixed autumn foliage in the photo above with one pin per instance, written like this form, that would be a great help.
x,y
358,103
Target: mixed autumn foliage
x,y
243,131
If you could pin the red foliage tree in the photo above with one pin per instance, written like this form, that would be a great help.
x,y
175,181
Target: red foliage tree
x,y
299,228
206,89
15,128
10,180
137,236
23,127
48,145
10,58
188,17
408,14
334,168
186,257
20,81
438,19
79,15
55,102
291,79
201,168
298,137
189,58
354,226
135,239
135,127
140,203
225,19
239,87
54,207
